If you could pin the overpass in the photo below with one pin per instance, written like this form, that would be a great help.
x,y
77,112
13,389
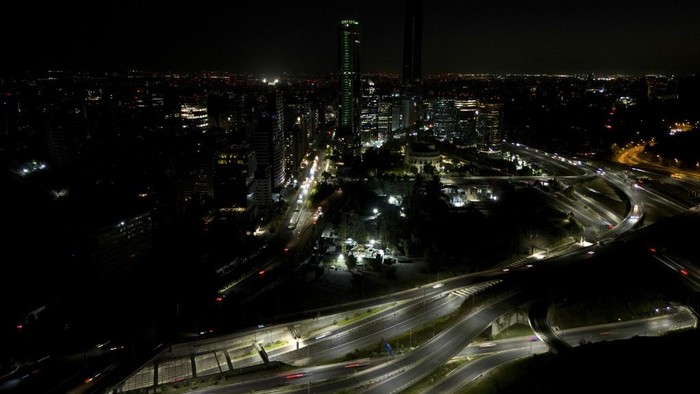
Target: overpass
x,y
400,373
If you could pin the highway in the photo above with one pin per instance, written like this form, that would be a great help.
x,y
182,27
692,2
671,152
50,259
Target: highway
x,y
392,374
402,312
507,350
399,317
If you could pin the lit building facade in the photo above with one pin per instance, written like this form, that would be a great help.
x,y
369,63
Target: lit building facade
x,y
194,116
368,115
268,138
444,118
412,77
349,78
466,122
489,127
383,119
423,156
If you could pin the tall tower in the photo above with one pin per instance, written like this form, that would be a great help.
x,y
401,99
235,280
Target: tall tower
x,y
368,113
268,139
412,78
349,79
489,126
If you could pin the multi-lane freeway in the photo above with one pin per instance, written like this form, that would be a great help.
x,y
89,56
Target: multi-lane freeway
x,y
310,345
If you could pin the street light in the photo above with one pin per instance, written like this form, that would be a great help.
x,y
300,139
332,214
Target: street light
x,y
376,224
397,331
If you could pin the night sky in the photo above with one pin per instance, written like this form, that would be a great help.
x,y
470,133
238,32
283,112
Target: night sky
x,y
493,36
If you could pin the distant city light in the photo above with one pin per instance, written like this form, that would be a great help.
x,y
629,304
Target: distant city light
x,y
31,167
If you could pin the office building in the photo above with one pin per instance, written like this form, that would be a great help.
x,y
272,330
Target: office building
x,y
115,248
349,80
234,177
368,114
412,77
268,138
194,117
466,122
444,118
489,127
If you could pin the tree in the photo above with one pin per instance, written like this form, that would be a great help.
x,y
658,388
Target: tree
x,y
355,226
433,257
569,191
392,227
351,261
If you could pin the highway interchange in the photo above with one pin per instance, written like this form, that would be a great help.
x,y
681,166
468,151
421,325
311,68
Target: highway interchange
x,y
314,345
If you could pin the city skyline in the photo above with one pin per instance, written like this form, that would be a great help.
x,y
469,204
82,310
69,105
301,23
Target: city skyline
x,y
467,37
150,210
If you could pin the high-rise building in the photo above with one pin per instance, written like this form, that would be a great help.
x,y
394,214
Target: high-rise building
x,y
219,113
466,121
116,247
368,114
489,124
234,177
277,165
194,116
198,174
311,120
349,79
262,145
398,115
63,145
412,78
295,133
267,138
444,118
383,119
262,196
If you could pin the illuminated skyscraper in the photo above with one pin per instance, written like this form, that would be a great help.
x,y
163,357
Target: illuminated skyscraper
x,y
489,124
368,114
466,121
349,79
444,118
194,116
268,140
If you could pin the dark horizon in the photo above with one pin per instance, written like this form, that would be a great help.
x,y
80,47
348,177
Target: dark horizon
x,y
500,37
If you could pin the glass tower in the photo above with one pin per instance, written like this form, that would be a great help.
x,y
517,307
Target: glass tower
x,y
349,78
412,79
